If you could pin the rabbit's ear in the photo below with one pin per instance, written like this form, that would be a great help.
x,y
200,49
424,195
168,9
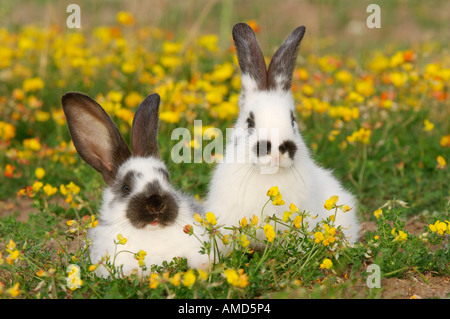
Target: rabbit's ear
x,y
144,135
250,57
281,67
95,136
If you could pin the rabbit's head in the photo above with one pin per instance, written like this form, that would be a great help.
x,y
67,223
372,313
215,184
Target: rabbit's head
x,y
266,124
139,190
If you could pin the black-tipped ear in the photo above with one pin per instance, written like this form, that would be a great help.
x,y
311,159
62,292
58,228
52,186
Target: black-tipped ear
x,y
250,57
144,134
95,136
282,65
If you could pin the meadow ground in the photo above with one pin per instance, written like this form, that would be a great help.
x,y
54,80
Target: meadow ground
x,y
372,104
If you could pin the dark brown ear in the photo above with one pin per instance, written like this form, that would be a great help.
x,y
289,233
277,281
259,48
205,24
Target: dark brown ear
x,y
250,57
95,136
144,135
281,67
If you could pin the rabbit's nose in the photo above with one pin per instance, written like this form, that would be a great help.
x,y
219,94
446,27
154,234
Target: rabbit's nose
x,y
155,203
263,148
289,147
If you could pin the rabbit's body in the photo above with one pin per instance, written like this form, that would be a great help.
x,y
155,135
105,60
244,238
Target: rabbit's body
x,y
245,194
267,149
161,243
139,201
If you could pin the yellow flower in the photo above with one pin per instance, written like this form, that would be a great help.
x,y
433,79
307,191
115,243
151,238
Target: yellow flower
x,y
121,240
42,116
13,291
398,78
170,61
33,84
203,275
402,236
343,76
128,67
176,279
37,186
331,202
125,18
92,223
254,220
209,42
273,191
243,222
326,264
297,221
7,131
153,280
293,208
365,87
379,63
244,241
377,213
198,218
133,99
92,267
444,141
211,218
39,173
439,227
169,116
49,190
232,276
270,233
278,201
442,163
12,256
236,278
32,144
428,126
171,47
397,59
393,232
141,255
222,72
189,278
307,89
318,237
287,216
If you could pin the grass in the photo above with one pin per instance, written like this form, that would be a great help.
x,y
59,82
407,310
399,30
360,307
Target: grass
x,y
378,118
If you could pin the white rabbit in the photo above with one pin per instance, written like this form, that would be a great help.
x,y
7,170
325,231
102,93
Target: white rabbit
x,y
266,148
139,202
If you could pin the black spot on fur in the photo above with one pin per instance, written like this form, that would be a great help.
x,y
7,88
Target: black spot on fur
x,y
163,172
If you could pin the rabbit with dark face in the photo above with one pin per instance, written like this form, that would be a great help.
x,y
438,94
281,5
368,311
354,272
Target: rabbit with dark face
x,y
139,202
267,149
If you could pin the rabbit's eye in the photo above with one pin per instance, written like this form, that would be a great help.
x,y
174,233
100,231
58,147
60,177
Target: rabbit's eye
x,y
251,120
126,188
292,119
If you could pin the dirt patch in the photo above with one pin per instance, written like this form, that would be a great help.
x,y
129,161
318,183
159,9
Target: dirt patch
x,y
415,287
19,208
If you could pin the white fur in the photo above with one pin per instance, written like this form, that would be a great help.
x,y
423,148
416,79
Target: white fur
x,y
239,189
160,243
